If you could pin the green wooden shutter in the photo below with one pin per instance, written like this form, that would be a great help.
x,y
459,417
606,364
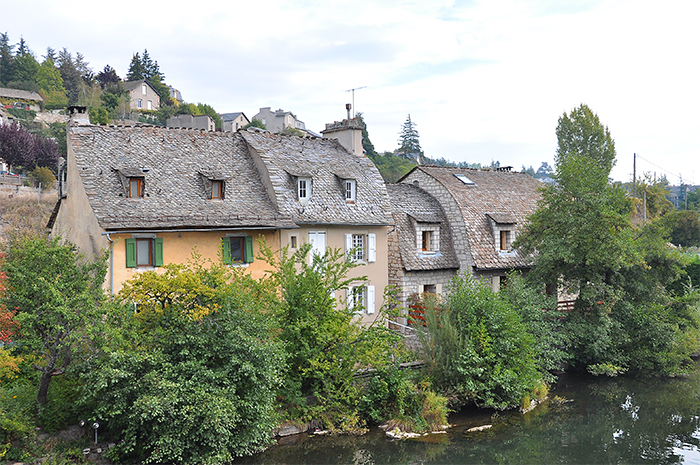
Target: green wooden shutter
x,y
248,254
130,253
158,258
226,244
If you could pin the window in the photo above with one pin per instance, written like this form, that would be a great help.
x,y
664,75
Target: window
x,y
505,240
238,249
361,299
144,252
304,188
350,190
425,241
135,188
293,242
429,289
149,105
143,89
317,239
140,104
362,247
464,179
217,190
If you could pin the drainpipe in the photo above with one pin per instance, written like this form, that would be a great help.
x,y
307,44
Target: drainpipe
x,y
111,264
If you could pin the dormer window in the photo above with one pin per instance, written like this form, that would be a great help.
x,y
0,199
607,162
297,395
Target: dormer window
x,y
505,241
350,190
136,188
304,189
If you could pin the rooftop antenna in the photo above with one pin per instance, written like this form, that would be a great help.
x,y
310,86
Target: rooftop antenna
x,y
353,97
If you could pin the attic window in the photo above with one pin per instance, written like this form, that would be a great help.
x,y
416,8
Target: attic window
x,y
350,190
304,188
464,179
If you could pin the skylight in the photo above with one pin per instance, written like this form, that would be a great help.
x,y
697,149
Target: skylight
x,y
464,179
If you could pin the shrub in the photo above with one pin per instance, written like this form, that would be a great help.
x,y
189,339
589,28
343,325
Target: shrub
x,y
44,176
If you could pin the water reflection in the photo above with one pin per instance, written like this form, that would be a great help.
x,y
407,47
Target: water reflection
x,y
602,421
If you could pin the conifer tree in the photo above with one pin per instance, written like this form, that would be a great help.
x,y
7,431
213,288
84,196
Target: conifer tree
x,y
135,72
409,145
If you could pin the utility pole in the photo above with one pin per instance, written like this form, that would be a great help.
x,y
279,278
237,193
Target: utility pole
x,y
353,97
634,176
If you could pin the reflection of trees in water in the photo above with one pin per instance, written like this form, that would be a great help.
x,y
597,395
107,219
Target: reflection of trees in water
x,y
609,421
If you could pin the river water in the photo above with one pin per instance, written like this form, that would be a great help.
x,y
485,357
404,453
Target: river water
x,y
587,420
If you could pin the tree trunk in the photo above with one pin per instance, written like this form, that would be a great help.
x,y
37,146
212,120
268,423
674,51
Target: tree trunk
x,y
46,375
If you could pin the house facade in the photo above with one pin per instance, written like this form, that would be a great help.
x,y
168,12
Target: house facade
x,y
142,95
202,122
485,210
151,196
338,200
278,121
422,258
232,122
24,98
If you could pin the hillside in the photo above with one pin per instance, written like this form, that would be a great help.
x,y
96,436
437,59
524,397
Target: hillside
x,y
20,212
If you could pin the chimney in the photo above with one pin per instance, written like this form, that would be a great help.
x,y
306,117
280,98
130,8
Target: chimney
x,y
348,132
78,115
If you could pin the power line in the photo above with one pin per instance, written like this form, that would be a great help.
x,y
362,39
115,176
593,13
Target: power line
x,y
679,176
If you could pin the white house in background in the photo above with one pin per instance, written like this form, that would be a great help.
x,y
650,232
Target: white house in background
x,y
277,121
232,122
143,95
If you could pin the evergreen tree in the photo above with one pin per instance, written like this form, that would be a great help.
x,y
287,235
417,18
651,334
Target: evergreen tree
x,y
108,76
367,145
135,72
409,146
5,58
71,77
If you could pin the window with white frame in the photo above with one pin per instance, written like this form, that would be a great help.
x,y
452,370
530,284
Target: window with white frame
x,y
427,238
361,299
143,89
304,189
350,190
140,103
149,105
361,247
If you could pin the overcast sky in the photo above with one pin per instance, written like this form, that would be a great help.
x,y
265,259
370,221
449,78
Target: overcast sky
x,y
483,80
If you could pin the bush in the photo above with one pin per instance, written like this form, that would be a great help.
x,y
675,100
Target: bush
x,y
478,349
44,176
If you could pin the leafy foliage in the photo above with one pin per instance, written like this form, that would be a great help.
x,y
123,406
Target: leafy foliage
x,y
255,123
56,295
191,377
44,176
684,227
19,147
477,347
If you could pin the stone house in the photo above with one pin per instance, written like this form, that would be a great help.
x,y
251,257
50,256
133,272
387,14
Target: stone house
x,y
142,95
484,210
337,199
422,258
151,195
232,122
11,96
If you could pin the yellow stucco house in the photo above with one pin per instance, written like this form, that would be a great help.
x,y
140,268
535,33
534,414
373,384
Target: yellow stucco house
x,y
151,195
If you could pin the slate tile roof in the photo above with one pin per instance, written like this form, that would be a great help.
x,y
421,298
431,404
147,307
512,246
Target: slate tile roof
x,y
285,158
499,196
411,204
177,164
23,94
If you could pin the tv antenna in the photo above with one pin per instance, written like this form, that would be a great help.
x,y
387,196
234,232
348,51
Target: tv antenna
x,y
353,97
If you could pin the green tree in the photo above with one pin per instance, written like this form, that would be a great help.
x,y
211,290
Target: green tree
x,y
409,145
56,294
583,241
135,72
192,376
391,167
72,80
255,123
656,192
5,58
326,343
50,82
367,145
684,227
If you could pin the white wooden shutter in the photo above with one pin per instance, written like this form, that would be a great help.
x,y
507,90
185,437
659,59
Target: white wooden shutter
x,y
317,239
372,248
348,244
370,299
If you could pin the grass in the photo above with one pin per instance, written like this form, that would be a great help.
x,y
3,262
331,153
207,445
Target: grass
x,y
21,212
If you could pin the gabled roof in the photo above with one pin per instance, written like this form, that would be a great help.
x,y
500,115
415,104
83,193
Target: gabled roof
x,y
410,206
226,117
22,94
131,85
285,158
175,165
501,197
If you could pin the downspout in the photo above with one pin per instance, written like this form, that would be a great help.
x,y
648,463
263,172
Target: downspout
x,y
111,264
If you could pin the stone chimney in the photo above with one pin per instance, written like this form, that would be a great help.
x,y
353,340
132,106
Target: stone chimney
x,y
78,115
348,132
